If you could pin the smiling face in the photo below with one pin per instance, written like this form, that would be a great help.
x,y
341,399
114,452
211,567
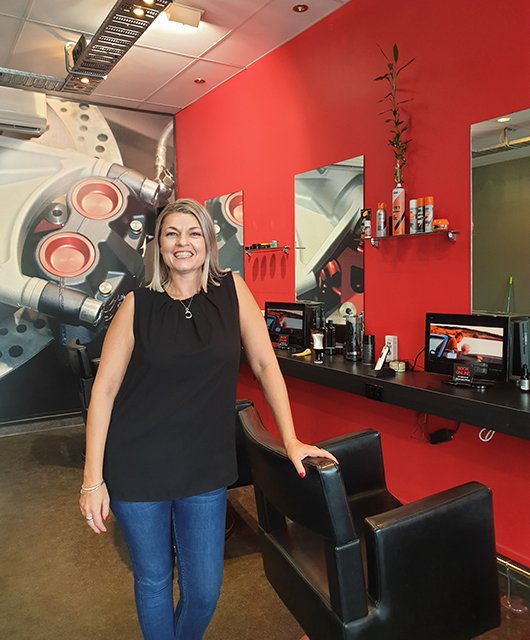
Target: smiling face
x,y
182,245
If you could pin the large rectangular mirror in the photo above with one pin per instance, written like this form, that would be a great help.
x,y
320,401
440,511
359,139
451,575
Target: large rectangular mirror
x,y
329,249
500,151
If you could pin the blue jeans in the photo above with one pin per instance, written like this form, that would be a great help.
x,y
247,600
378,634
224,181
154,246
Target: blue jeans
x,y
195,528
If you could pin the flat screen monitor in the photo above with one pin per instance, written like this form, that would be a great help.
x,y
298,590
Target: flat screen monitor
x,y
285,319
290,323
480,340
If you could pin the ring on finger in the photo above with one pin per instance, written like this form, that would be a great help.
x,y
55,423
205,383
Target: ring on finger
x,y
89,517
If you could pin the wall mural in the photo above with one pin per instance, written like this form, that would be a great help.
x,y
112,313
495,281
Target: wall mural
x,y
329,249
78,207
227,214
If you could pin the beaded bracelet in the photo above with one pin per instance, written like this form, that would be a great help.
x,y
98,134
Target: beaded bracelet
x,y
85,490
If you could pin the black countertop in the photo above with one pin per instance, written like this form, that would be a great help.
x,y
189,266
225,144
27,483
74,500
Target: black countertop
x,y
501,407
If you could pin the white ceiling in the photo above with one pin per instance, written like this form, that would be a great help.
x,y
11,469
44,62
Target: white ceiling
x,y
497,136
158,73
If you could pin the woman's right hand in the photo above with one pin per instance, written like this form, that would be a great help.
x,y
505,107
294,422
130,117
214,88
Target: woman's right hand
x,y
95,508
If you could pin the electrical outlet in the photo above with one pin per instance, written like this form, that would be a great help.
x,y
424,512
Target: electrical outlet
x,y
374,392
392,343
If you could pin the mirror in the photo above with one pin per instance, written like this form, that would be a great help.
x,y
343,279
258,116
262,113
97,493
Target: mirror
x,y
500,175
328,245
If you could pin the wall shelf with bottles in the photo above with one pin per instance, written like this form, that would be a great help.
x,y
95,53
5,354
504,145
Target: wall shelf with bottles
x,y
250,250
451,235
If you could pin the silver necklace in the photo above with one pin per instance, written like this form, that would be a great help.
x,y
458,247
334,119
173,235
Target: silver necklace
x,y
187,313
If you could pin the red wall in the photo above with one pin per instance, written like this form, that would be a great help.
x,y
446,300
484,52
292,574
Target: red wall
x,y
313,102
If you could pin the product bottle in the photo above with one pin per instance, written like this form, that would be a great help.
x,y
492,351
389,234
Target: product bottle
x,y
413,210
368,349
524,382
329,338
420,213
398,211
428,214
380,220
366,223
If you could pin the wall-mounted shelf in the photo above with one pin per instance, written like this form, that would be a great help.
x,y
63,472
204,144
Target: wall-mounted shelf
x,y
451,235
249,251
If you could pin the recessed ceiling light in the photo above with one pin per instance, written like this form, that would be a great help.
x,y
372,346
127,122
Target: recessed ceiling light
x,y
138,12
85,80
504,119
149,2
300,8
199,81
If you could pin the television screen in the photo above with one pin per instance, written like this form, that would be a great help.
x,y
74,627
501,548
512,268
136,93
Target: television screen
x,y
471,339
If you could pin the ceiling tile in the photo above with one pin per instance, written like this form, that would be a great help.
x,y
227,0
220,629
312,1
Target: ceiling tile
x,y
141,72
40,49
158,108
17,9
182,90
229,14
10,28
268,29
110,101
69,15
174,37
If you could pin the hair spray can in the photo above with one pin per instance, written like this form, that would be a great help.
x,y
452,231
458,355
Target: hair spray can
x,y
413,210
428,214
366,223
398,211
419,215
380,220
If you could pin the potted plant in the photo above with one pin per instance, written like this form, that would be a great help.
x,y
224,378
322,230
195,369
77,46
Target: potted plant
x,y
398,127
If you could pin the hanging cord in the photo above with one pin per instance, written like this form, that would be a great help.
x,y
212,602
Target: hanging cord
x,y
416,359
485,435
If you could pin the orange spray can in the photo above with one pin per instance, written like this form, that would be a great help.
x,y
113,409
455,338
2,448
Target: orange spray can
x,y
398,211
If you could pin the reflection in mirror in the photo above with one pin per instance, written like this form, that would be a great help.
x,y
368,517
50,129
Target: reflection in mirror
x,y
501,214
329,249
227,215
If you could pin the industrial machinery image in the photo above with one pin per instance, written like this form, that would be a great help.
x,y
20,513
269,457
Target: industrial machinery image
x,y
75,223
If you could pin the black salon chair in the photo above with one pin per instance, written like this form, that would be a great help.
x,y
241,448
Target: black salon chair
x,y
85,368
351,563
244,477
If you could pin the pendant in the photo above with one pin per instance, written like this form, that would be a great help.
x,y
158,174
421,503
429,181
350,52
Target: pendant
x,y
188,314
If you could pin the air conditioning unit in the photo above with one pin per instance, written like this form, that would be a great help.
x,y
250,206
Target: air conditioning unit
x,y
22,112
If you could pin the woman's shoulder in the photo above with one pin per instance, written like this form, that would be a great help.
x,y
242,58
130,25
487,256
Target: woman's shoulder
x,y
144,297
146,292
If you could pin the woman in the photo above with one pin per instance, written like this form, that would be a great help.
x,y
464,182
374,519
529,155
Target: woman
x,y
160,446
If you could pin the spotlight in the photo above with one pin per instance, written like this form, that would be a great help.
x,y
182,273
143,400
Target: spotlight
x,y
138,12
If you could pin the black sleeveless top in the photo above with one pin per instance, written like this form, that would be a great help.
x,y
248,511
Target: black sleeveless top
x,y
171,433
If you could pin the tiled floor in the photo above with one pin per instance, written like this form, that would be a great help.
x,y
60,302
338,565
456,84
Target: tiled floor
x,y
58,581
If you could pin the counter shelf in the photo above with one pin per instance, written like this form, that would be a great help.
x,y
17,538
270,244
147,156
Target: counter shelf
x,y
501,407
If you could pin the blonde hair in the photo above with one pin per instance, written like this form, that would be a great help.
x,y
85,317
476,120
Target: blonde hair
x,y
211,271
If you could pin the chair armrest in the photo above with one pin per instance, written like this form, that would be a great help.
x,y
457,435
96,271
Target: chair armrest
x,y
360,458
436,551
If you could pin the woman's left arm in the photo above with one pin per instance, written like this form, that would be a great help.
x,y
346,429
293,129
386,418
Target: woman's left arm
x,y
264,365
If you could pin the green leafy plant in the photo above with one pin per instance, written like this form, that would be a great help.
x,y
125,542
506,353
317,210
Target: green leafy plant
x,y
398,127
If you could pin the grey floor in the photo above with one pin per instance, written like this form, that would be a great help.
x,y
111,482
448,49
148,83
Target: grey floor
x,y
59,581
